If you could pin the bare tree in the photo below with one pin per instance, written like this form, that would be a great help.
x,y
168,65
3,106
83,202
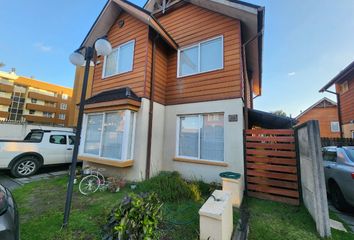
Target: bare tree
x,y
2,64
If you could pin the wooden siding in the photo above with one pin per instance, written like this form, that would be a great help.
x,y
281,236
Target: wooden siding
x,y
190,24
324,116
347,102
133,29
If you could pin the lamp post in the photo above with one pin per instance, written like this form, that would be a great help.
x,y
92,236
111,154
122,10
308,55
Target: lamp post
x,y
104,48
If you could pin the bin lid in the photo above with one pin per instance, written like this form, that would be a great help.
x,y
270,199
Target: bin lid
x,y
231,175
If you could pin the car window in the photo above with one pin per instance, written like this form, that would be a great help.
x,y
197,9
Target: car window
x,y
57,139
71,140
350,153
34,137
330,156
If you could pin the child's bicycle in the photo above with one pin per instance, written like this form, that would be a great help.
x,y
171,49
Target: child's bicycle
x,y
93,181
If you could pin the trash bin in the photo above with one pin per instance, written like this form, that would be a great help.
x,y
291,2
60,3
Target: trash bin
x,y
233,182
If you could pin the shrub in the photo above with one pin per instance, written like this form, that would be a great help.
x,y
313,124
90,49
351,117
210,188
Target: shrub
x,y
171,187
136,217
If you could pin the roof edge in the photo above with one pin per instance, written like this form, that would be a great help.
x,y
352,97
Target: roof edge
x,y
314,105
342,74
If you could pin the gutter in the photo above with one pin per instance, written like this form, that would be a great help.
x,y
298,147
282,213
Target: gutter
x,y
151,109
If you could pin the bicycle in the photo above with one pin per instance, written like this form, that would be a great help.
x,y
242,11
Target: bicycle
x,y
93,181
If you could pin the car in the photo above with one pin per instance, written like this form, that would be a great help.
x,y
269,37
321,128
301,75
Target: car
x,y
39,148
339,175
9,221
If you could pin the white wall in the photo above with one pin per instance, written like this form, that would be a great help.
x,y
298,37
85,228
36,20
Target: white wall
x,y
233,139
14,131
157,144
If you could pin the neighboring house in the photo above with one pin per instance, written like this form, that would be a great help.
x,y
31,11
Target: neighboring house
x,y
326,112
198,62
25,99
344,84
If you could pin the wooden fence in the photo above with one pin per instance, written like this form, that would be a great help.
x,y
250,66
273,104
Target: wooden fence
x,y
271,163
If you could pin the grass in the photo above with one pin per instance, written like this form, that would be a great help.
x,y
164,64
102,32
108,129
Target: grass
x,y
277,221
41,206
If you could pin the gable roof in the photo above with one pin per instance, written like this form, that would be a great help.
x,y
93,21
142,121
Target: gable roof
x,y
323,100
340,77
252,19
112,10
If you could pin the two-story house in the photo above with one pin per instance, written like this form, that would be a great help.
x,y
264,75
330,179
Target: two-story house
x,y
344,85
325,111
174,92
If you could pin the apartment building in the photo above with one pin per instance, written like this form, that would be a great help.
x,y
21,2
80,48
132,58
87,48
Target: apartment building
x,y
25,99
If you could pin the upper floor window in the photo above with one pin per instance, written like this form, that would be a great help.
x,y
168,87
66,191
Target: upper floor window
x,y
33,100
65,96
335,127
48,114
343,87
63,106
202,57
62,116
120,60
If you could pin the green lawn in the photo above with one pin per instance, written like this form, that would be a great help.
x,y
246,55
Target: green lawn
x,y
41,206
277,221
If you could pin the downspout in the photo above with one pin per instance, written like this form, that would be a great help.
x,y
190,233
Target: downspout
x,y
151,109
338,112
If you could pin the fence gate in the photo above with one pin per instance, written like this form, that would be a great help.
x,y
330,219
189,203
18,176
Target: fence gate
x,y
271,165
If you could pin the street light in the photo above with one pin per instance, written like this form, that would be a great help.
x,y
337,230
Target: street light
x,y
103,48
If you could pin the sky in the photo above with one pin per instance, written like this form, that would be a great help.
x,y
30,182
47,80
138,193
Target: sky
x,y
306,43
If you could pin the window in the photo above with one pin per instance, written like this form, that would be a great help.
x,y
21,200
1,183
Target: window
x,y
63,106
110,135
201,136
62,116
329,155
71,140
334,126
65,96
48,114
57,139
120,60
34,137
352,134
203,57
31,112
343,87
33,100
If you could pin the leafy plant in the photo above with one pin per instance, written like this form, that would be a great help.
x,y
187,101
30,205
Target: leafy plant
x,y
135,218
171,187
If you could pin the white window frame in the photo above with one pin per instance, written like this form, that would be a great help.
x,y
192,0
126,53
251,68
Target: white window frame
x,y
332,128
128,114
178,129
118,49
62,106
199,44
62,116
65,96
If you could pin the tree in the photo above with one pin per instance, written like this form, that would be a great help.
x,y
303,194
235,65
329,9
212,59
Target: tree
x,y
2,64
280,113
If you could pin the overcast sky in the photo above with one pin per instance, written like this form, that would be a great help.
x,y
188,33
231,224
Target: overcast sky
x,y
306,44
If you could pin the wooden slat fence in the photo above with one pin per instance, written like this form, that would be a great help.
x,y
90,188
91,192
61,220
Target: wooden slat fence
x,y
271,164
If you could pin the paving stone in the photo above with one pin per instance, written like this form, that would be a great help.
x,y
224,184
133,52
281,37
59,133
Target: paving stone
x,y
39,176
337,225
59,173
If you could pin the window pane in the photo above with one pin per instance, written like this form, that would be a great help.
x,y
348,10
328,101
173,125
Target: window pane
x,y
212,137
111,63
130,135
57,139
93,134
188,61
113,135
188,136
126,55
211,55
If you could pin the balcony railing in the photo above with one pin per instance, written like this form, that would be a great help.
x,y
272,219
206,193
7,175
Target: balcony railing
x,y
42,97
6,88
41,108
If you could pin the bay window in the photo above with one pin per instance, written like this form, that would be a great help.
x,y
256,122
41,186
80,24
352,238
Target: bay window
x,y
109,135
201,136
120,60
202,57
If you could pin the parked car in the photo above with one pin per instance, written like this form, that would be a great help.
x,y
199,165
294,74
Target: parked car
x,y
39,148
339,175
9,223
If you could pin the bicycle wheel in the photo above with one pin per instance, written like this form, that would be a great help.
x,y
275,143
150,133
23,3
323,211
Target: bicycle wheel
x,y
89,184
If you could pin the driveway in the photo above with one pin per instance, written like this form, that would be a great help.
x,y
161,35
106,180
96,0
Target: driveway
x,y
347,217
44,173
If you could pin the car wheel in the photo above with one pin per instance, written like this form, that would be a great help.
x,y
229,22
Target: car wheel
x,y
25,167
337,197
